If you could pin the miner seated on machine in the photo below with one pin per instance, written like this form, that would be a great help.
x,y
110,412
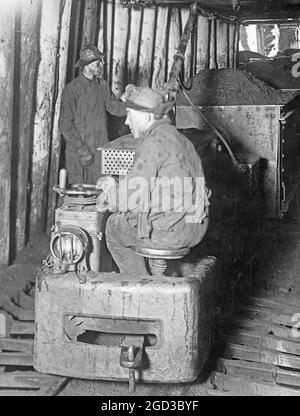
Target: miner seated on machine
x,y
163,202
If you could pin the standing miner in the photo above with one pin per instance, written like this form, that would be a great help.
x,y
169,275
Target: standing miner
x,y
83,118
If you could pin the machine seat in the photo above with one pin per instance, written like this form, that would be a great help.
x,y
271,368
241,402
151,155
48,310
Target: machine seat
x,y
157,257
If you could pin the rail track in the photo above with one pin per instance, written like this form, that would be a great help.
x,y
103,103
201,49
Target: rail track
x,y
17,375
261,354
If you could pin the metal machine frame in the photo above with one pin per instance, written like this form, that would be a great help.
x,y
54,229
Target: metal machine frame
x,y
259,129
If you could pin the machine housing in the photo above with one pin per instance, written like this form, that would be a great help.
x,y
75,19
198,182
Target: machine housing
x,y
269,131
81,328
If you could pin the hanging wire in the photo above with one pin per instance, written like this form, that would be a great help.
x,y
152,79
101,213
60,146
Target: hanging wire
x,y
215,130
186,85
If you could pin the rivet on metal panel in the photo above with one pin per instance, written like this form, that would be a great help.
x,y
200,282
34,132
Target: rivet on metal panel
x,y
248,115
220,109
203,124
258,108
267,115
272,115
267,109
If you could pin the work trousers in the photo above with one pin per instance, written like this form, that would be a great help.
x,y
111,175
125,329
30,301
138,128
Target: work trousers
x,y
122,238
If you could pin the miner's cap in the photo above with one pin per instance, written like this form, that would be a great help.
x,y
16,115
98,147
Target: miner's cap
x,y
142,98
89,54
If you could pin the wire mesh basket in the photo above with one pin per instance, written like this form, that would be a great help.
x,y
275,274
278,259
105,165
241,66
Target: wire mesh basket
x,y
116,161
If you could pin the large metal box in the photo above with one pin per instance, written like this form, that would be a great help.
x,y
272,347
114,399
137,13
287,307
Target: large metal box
x,y
172,315
93,223
262,130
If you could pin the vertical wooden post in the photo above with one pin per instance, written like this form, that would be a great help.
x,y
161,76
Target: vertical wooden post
x,y
174,38
55,148
180,52
158,77
188,52
231,44
43,116
119,48
89,22
109,18
260,39
100,42
236,45
7,38
202,43
146,47
75,16
30,20
133,46
222,44
212,45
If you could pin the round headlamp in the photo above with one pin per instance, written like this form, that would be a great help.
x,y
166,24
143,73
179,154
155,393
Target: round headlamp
x,y
68,244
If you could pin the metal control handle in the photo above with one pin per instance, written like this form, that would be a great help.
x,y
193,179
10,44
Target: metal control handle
x,y
77,190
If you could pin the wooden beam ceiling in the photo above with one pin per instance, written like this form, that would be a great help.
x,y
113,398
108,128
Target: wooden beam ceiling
x,y
242,9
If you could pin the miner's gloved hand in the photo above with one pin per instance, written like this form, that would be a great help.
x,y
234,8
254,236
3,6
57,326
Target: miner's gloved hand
x,y
102,202
85,155
107,198
105,183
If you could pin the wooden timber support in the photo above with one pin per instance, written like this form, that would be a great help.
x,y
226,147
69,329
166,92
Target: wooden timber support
x,y
44,114
236,45
179,56
173,40
74,37
7,38
61,81
119,49
213,44
231,44
135,19
222,45
144,58
29,26
89,30
202,57
159,63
